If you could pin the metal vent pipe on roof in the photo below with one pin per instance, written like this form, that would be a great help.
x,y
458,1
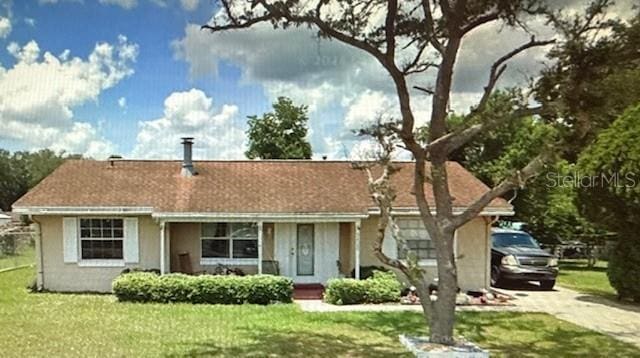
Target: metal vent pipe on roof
x,y
187,159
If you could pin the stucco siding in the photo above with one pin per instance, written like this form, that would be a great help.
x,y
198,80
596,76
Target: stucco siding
x,y
70,277
472,255
336,241
472,252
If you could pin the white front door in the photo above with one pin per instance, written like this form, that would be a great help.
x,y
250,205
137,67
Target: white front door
x,y
307,252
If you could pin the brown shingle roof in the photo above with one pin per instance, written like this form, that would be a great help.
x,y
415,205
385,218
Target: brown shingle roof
x,y
231,187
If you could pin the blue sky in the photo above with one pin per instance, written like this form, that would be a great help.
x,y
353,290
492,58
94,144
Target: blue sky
x,y
129,77
157,73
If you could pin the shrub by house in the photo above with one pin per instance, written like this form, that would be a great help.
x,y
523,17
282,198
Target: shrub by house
x,y
150,287
381,287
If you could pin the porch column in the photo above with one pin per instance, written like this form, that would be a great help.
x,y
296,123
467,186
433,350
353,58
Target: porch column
x,y
260,247
357,258
167,248
162,249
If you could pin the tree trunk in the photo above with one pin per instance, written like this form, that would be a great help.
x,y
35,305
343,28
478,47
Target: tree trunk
x,y
443,309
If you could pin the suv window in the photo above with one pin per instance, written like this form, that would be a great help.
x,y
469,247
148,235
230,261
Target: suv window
x,y
513,239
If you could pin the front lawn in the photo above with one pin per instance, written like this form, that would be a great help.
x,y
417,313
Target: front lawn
x,y
96,325
575,274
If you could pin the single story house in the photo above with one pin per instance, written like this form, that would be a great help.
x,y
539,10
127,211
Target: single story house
x,y
305,219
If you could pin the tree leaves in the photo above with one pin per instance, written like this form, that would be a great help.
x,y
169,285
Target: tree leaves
x,y
615,154
280,134
21,171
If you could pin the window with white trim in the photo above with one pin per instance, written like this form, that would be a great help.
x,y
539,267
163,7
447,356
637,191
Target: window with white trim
x,y
101,239
417,239
229,240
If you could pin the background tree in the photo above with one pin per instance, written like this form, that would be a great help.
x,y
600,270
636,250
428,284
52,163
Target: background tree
x,y
611,196
593,79
14,180
408,38
591,83
21,171
281,134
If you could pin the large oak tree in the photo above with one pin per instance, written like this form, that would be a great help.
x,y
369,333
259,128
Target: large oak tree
x,y
411,38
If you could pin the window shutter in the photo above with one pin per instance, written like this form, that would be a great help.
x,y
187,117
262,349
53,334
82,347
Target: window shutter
x,y
131,240
70,239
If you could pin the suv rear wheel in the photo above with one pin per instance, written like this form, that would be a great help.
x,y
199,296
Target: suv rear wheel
x,y
547,285
495,277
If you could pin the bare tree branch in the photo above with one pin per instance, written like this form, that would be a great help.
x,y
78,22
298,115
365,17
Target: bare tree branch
x,y
518,179
390,29
383,195
428,91
480,20
235,25
430,26
498,68
416,66
457,139
275,13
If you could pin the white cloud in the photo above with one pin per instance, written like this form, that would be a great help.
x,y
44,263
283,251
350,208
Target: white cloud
x,y
367,108
125,4
366,149
122,102
30,21
191,114
323,73
369,149
5,27
27,54
190,5
39,93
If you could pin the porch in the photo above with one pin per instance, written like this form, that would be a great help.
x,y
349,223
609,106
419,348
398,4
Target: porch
x,y
308,251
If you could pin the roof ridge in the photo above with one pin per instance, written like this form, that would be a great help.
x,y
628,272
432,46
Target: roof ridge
x,y
314,161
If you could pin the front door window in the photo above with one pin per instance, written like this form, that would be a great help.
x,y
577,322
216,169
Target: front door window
x,y
305,250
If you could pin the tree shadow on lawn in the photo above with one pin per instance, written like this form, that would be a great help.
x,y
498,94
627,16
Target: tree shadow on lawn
x,y
510,334
303,343
504,333
375,335
538,335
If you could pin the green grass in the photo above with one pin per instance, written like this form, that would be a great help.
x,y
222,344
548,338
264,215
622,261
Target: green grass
x,y
575,274
25,257
38,325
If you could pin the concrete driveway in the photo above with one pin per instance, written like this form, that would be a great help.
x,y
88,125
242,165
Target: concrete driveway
x,y
621,321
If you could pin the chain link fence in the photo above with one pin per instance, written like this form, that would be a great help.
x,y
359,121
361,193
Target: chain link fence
x,y
16,250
